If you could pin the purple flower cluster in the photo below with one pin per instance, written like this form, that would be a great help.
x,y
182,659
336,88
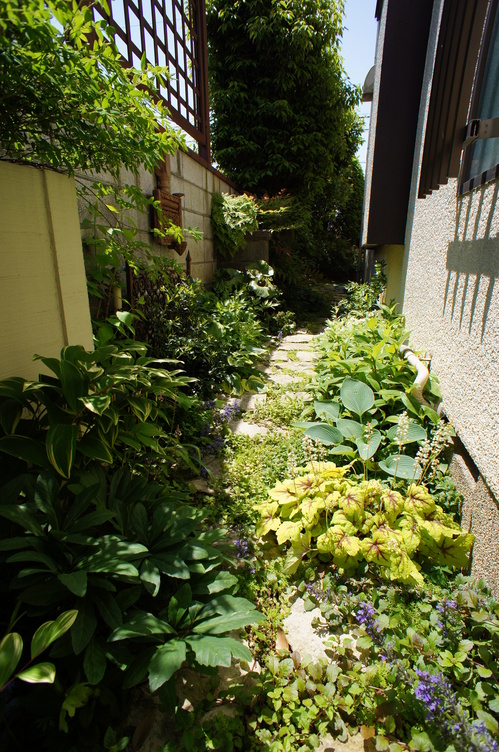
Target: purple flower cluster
x,y
445,712
366,615
435,693
229,412
241,548
448,609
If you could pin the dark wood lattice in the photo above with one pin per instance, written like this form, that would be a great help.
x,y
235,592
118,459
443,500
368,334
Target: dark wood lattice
x,y
170,33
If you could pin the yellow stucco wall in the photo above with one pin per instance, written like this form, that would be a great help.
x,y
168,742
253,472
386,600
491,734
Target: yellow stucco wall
x,y
394,257
43,301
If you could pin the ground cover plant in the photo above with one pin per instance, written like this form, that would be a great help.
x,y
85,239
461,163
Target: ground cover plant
x,y
412,653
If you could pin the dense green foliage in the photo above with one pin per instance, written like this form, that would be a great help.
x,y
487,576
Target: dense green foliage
x,y
67,101
233,217
283,112
284,124
86,527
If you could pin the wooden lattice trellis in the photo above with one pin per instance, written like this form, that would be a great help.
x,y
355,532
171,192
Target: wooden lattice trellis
x,y
169,33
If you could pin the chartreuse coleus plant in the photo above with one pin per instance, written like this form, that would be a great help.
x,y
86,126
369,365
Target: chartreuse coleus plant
x,y
322,514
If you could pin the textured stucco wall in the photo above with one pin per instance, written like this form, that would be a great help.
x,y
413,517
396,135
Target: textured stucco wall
x,y
452,307
43,301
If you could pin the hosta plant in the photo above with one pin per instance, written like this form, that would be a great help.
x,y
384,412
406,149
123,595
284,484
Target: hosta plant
x,y
322,513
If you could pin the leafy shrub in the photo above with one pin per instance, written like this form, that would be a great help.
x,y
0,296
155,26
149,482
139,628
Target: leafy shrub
x,y
322,513
233,218
77,532
110,405
364,297
70,104
264,297
217,341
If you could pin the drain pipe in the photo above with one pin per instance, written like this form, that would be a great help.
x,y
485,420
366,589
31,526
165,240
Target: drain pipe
x,y
422,373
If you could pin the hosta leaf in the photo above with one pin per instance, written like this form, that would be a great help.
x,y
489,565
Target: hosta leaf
x,y
94,662
218,651
95,448
150,576
401,466
11,648
327,410
215,582
76,582
41,673
83,628
350,429
47,633
415,432
141,624
368,449
356,396
25,449
165,662
74,384
228,622
324,433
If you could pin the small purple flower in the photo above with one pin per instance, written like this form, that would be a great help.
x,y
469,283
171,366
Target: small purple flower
x,y
241,548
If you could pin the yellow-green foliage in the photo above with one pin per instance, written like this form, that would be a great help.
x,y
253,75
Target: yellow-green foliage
x,y
321,512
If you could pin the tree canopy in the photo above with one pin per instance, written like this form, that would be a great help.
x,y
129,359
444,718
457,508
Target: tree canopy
x,y
67,100
283,109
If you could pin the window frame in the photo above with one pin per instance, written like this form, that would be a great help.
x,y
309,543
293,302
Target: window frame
x,y
487,176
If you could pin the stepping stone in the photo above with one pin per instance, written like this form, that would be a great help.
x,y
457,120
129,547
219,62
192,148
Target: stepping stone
x,y
302,637
279,355
241,427
294,345
298,338
307,356
250,402
281,378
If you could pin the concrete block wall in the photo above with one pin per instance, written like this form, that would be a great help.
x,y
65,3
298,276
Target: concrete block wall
x,y
197,183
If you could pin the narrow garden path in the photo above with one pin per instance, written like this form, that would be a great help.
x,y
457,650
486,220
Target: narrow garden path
x,y
291,365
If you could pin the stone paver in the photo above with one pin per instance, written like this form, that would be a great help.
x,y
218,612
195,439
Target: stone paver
x,y
298,337
241,427
302,637
250,401
307,355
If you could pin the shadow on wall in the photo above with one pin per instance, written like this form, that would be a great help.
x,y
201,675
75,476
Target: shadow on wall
x,y
474,255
